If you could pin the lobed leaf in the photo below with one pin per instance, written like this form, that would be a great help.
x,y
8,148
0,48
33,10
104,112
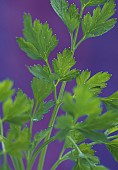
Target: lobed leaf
x,y
44,108
42,73
86,3
17,141
111,102
64,124
85,159
41,89
6,90
113,148
100,22
68,14
19,110
82,103
39,136
38,41
96,83
63,64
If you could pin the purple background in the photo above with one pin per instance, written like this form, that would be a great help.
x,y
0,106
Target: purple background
x,y
99,54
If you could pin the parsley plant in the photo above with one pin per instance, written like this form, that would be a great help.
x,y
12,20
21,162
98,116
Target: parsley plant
x,y
37,42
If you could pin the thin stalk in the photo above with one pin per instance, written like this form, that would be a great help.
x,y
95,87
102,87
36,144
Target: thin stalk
x,y
55,91
18,163
60,97
62,151
77,45
75,145
59,161
3,146
43,153
31,127
77,30
33,158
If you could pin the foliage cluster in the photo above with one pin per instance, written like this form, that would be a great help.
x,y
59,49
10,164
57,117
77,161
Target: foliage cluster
x,y
38,41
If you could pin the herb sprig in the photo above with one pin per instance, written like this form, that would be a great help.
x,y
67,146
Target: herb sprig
x,y
37,42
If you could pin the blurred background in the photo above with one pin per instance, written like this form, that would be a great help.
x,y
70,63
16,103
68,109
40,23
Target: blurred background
x,y
96,54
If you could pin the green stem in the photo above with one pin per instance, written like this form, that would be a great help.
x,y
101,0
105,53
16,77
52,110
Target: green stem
x,y
55,92
31,127
60,97
62,151
33,158
3,146
77,30
77,45
75,145
18,163
43,153
58,163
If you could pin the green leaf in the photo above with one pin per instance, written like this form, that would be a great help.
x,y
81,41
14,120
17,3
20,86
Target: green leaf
x,y
17,141
85,160
100,22
42,73
76,136
113,148
43,109
41,89
93,135
96,83
63,64
6,90
19,110
64,124
70,75
101,122
111,102
38,41
94,126
86,3
83,77
81,103
39,136
111,130
68,14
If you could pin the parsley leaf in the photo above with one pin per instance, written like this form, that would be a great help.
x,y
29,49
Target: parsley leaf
x,y
38,40
96,83
63,64
39,136
86,3
6,90
86,159
43,108
100,22
64,124
83,102
111,102
17,141
113,148
42,73
41,89
18,111
68,14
